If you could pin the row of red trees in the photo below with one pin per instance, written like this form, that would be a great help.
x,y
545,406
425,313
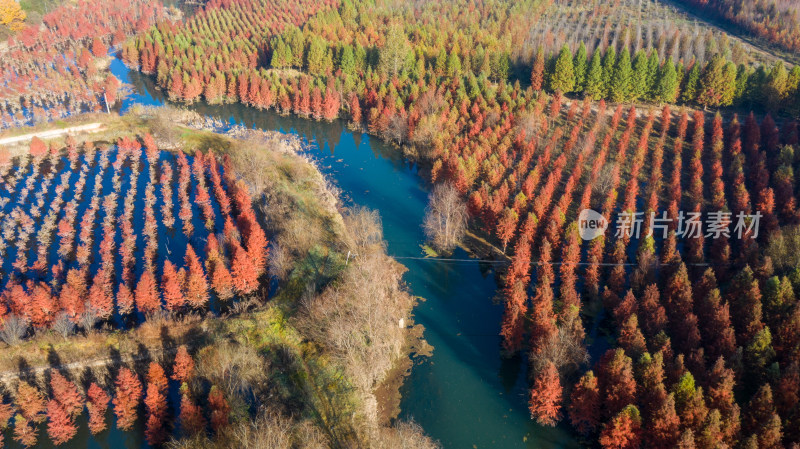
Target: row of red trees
x,y
62,401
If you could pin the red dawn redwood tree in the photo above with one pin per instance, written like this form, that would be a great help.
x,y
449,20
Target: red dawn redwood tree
x,y
156,405
125,300
60,426
67,394
653,313
537,74
507,226
147,299
31,403
721,382
545,400
615,376
191,416
42,306
623,431
73,293
221,279
196,287
544,319
762,421
126,398
245,277
25,431
631,338
219,408
183,369
38,148
97,404
355,109
171,288
6,412
584,406
664,430
98,48
100,297
157,377
331,102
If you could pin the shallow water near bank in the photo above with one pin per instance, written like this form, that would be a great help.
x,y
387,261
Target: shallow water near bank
x,y
465,395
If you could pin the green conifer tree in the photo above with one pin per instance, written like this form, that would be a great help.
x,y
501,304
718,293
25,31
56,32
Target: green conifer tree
x,y
594,78
639,77
609,64
621,81
347,62
453,64
653,68
776,87
742,76
729,84
667,86
563,76
713,84
691,84
394,53
580,64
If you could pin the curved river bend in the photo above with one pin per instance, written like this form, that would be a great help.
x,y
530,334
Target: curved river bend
x,y
465,395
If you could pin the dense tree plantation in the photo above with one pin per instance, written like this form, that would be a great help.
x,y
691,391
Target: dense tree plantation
x,y
660,332
116,234
54,70
774,20
525,118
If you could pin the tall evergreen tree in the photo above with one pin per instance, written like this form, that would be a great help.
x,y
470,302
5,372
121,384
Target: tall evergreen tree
x,y
729,74
742,77
347,62
392,56
581,65
620,89
714,85
777,85
666,90
639,77
609,64
594,88
653,70
315,58
563,76
691,84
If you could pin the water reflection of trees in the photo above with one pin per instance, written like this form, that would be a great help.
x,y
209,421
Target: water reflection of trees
x,y
319,133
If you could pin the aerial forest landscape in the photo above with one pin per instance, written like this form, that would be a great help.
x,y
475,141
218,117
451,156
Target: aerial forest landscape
x,y
400,224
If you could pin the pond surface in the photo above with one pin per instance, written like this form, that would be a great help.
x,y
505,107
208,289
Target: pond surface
x,y
465,395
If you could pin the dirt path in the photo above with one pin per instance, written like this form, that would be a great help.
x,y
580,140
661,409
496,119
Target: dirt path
x,y
49,134
35,371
